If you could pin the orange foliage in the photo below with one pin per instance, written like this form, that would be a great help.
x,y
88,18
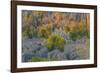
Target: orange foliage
x,y
88,22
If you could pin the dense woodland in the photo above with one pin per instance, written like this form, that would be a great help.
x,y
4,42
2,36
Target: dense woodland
x,y
55,36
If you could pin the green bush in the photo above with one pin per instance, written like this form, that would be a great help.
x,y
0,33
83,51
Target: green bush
x,y
85,31
55,42
29,31
88,34
75,35
38,59
26,32
67,29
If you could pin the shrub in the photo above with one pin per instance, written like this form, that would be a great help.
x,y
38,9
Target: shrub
x,y
76,35
55,42
85,29
67,28
26,32
79,33
44,32
87,34
29,31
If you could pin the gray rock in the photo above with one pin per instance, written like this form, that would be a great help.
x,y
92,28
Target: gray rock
x,y
72,55
26,57
56,55
43,52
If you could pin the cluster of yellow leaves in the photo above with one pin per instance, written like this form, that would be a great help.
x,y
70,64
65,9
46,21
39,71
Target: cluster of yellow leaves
x,y
55,42
27,19
45,30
